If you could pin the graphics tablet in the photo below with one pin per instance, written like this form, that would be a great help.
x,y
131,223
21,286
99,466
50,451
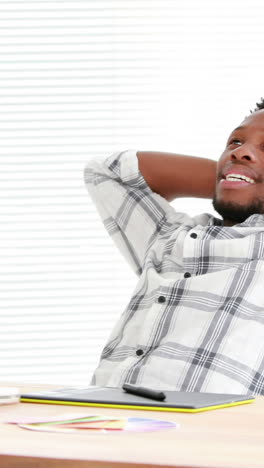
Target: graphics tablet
x,y
107,397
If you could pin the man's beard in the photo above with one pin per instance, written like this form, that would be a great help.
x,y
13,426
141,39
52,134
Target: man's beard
x,y
235,212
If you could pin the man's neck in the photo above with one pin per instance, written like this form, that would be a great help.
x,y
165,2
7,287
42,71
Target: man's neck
x,y
228,222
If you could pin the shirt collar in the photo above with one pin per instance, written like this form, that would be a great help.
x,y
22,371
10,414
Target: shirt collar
x,y
255,220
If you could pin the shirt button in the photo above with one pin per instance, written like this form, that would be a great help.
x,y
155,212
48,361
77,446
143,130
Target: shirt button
x,y
161,299
139,352
193,235
187,274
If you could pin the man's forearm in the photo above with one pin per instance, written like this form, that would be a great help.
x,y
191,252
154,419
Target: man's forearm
x,y
173,175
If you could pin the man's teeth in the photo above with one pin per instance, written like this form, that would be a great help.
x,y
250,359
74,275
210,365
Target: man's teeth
x,y
237,177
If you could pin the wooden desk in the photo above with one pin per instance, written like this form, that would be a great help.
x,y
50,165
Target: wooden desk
x,y
225,438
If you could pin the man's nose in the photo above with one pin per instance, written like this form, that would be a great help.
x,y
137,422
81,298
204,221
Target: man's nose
x,y
244,152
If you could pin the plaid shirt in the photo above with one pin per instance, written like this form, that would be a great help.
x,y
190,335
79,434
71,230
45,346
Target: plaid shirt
x,y
195,321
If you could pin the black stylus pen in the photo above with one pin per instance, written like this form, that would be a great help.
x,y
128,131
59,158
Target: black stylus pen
x,y
144,392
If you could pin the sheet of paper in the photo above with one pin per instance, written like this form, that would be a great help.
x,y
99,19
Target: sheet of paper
x,y
74,422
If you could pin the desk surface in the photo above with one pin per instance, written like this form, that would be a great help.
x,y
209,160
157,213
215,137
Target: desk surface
x,y
224,438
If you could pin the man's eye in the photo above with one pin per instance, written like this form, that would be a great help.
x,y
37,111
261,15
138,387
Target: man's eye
x,y
234,141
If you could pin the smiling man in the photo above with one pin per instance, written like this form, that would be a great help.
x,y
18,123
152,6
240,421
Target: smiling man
x,y
195,321
240,172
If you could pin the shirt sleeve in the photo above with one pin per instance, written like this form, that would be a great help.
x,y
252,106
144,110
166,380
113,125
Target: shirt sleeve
x,y
132,213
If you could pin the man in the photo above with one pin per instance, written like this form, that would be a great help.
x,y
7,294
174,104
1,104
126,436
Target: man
x,y
195,321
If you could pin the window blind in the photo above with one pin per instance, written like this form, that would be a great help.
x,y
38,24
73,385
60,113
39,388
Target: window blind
x,y
80,80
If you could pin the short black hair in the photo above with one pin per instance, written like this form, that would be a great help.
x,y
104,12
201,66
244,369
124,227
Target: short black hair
x,y
259,106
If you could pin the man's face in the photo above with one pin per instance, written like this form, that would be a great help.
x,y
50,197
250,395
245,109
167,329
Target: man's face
x,y
237,198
